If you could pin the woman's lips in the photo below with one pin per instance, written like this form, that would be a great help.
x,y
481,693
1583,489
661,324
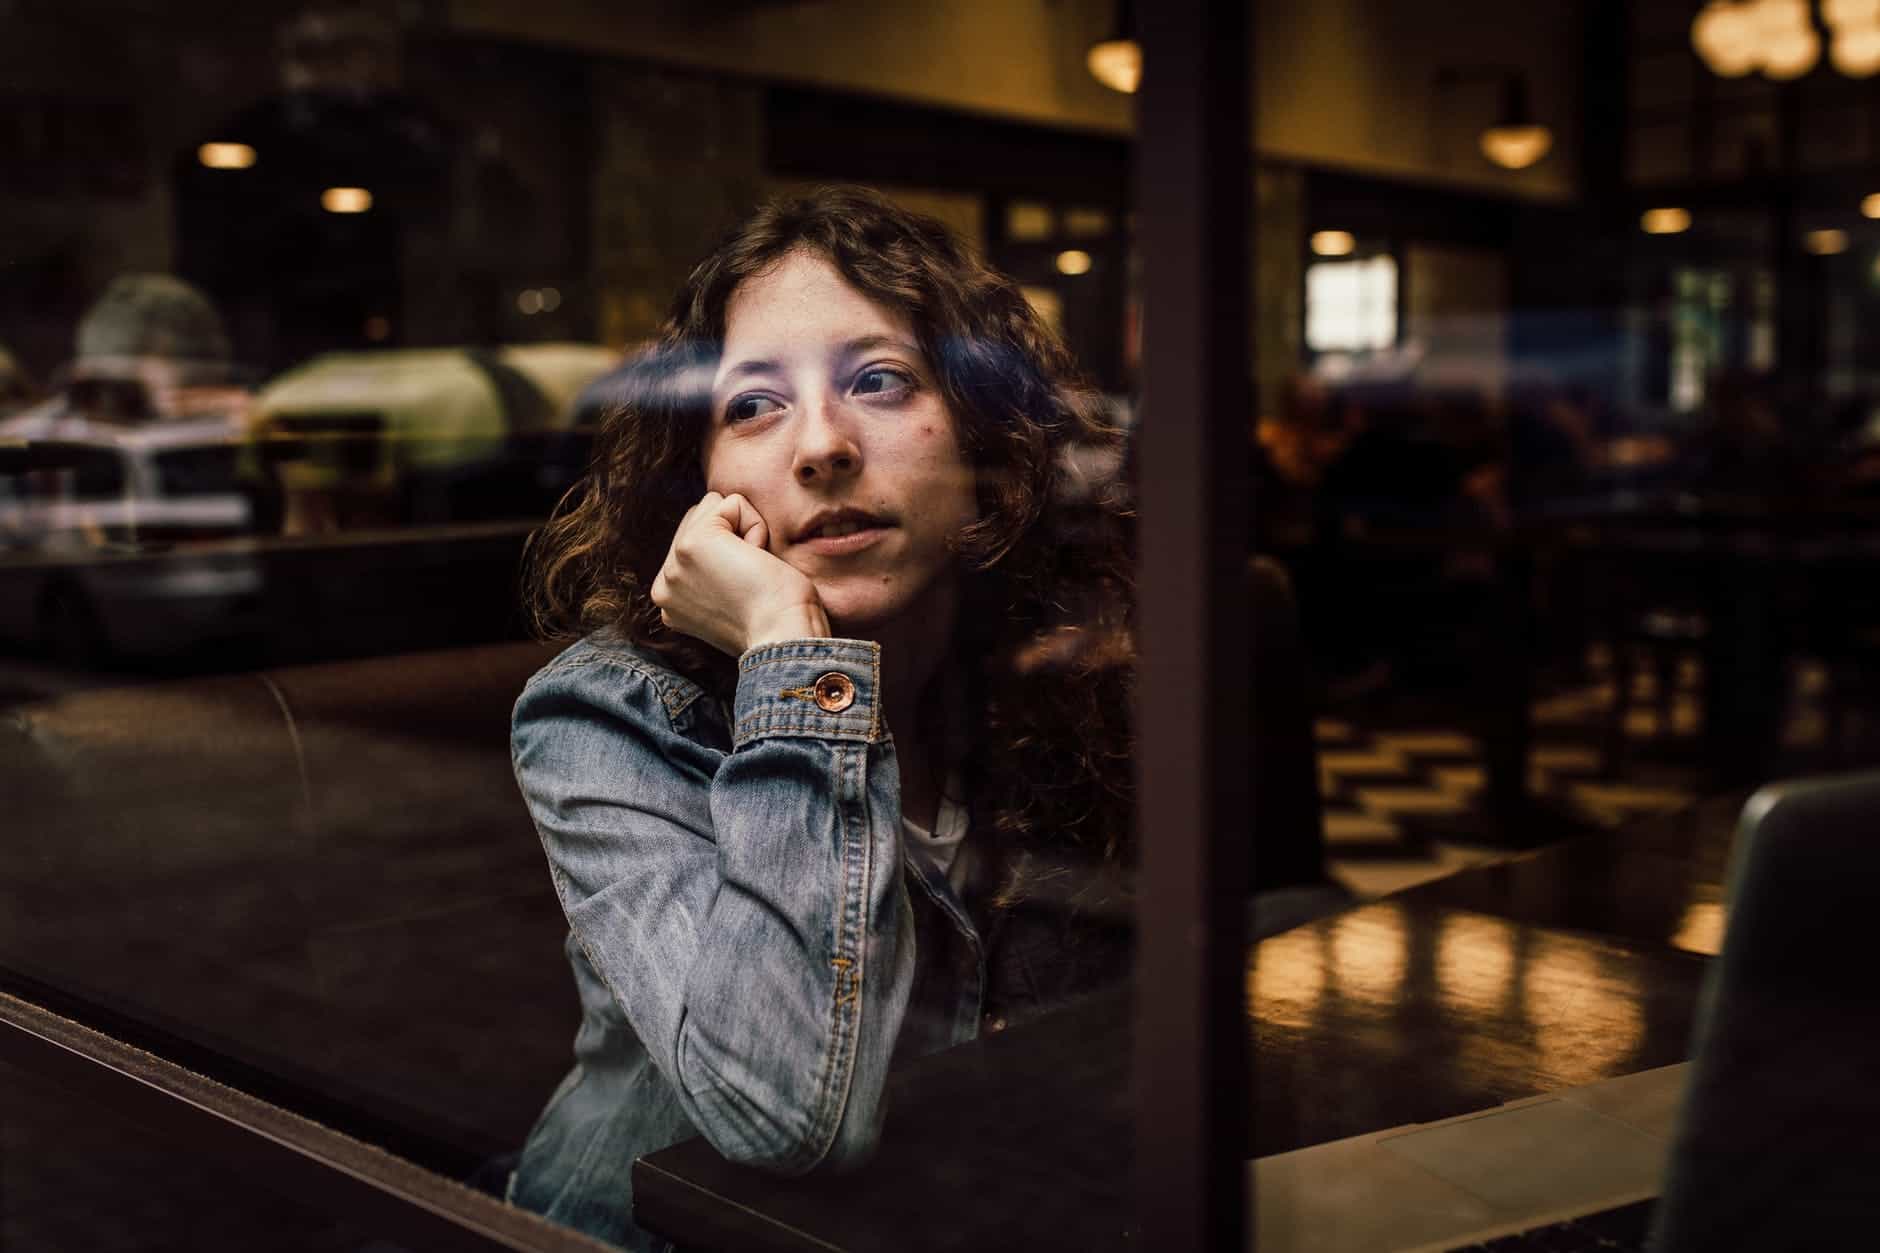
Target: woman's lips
x,y
842,545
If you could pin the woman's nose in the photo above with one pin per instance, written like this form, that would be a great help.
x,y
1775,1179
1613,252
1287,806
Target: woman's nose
x,y
825,448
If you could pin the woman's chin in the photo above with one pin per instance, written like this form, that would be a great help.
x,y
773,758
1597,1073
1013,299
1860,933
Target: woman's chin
x,y
871,607
864,612
860,620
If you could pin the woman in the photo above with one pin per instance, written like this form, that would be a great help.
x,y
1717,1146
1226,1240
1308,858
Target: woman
x,y
839,772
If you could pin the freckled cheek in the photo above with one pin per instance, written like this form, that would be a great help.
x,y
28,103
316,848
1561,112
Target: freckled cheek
x,y
731,476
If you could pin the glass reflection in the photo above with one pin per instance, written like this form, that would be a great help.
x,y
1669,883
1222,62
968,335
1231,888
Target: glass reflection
x,y
1475,962
293,365
1288,979
1585,1013
1369,955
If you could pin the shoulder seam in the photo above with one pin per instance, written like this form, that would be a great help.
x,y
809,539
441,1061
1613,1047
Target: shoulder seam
x,y
676,692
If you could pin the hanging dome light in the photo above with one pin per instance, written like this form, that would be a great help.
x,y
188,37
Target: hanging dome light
x,y
1516,147
346,200
1516,140
1856,51
226,156
1725,36
1116,62
1333,243
1791,55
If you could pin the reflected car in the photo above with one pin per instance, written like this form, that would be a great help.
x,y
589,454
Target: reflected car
x,y
120,540
361,440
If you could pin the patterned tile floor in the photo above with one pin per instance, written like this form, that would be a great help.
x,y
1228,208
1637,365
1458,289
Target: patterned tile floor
x,y
1403,798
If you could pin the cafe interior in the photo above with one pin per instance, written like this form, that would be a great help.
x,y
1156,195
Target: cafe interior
x,y
1486,405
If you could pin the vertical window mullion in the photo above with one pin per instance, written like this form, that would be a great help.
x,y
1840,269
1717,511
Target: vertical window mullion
x,y
1194,169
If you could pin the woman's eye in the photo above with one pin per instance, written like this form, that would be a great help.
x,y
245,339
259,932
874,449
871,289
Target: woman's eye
x,y
744,408
880,380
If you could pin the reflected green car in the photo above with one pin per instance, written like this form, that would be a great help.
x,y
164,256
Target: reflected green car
x,y
373,422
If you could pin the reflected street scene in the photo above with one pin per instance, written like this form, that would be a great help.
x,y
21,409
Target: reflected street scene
x,y
972,624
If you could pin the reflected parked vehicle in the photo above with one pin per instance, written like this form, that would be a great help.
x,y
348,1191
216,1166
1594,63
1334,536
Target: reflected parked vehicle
x,y
362,440
120,540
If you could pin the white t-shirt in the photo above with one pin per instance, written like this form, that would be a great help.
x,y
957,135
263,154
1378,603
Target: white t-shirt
x,y
941,847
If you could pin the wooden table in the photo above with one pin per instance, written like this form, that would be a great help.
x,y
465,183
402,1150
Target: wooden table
x,y
1404,1010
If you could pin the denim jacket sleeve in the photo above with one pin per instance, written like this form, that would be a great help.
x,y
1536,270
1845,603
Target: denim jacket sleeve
x,y
747,910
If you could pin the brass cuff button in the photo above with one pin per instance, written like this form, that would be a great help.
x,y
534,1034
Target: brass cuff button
x,y
835,692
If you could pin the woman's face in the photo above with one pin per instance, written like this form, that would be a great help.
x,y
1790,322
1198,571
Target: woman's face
x,y
826,417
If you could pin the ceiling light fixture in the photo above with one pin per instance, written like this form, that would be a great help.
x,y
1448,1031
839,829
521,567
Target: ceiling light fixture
x,y
1516,140
1116,62
345,200
1665,221
1791,54
1725,36
1333,243
1843,14
1856,51
226,156
1781,38
1073,261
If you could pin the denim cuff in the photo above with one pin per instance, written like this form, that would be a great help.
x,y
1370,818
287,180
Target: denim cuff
x,y
821,687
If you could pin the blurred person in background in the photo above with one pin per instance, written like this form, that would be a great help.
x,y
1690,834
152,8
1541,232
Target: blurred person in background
x,y
1290,450
151,347
838,774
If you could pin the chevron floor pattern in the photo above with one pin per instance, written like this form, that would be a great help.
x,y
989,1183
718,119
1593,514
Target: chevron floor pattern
x,y
1404,803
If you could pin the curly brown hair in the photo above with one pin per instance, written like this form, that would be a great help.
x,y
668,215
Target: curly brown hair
x,y
1046,575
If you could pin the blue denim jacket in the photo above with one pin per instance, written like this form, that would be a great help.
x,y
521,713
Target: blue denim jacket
x,y
752,947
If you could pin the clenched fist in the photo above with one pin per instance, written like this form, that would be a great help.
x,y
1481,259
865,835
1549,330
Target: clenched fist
x,y
721,584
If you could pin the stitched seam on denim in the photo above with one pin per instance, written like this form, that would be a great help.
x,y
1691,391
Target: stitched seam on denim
x,y
676,692
874,685
756,724
857,858
565,896
810,650
827,1119
845,1009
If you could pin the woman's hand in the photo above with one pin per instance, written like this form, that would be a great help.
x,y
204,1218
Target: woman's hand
x,y
721,584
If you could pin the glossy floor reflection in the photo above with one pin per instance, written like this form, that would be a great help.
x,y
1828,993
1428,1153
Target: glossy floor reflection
x,y
1408,1011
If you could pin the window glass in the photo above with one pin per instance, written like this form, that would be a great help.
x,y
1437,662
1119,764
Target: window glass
x,y
79,1174
567,570
360,360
